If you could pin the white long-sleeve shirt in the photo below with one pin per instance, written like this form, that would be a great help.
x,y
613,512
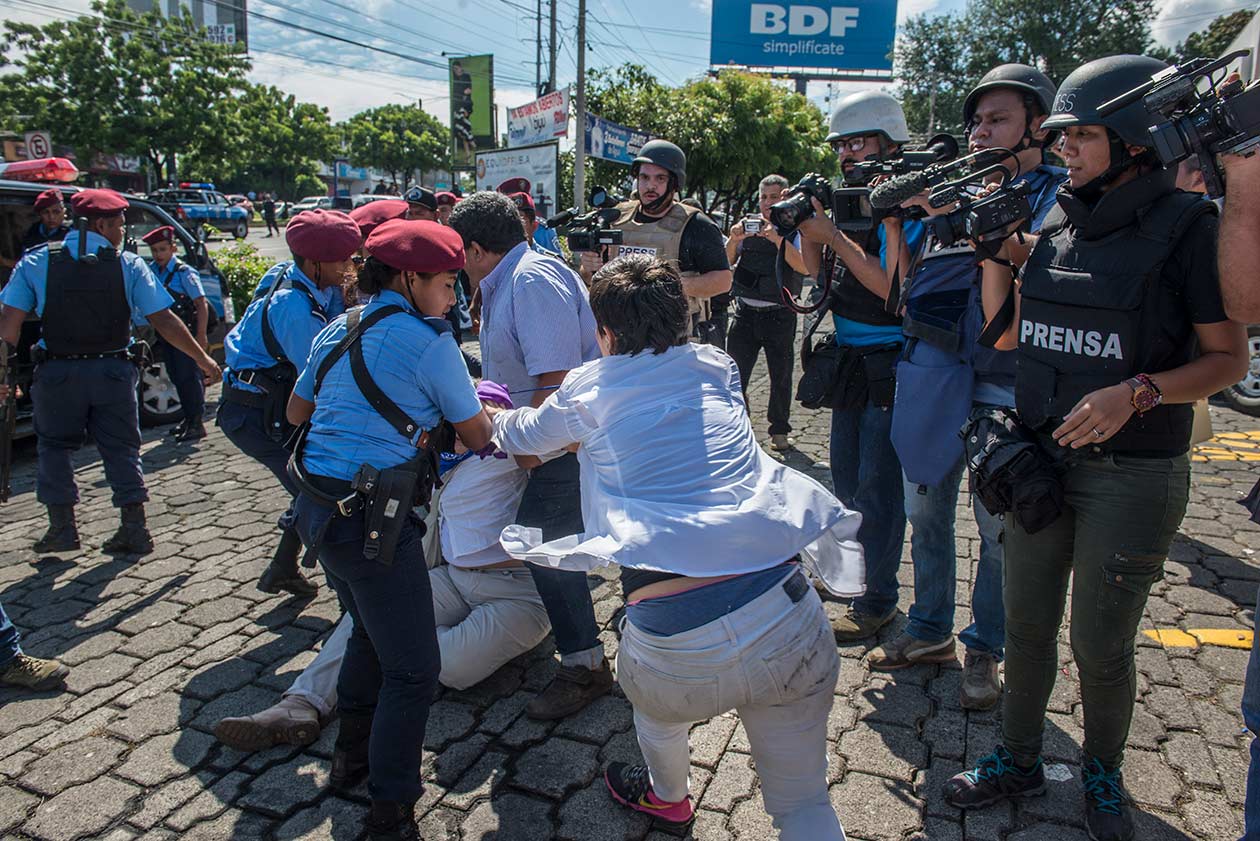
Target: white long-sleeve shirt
x,y
673,478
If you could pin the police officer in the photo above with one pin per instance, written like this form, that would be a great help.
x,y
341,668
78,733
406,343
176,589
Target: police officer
x,y
657,224
529,219
183,284
422,204
446,203
51,226
865,472
943,375
1119,329
268,348
86,291
379,383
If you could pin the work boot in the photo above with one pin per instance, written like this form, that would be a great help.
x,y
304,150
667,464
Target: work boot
x,y
981,687
192,431
290,722
132,537
906,650
282,573
855,625
178,429
1107,811
350,752
390,820
570,690
27,672
62,534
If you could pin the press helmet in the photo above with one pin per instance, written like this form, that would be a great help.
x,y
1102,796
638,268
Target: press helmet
x,y
1091,85
1019,77
664,154
869,112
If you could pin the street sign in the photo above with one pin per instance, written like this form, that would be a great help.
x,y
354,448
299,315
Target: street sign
x,y
612,141
38,145
539,165
834,35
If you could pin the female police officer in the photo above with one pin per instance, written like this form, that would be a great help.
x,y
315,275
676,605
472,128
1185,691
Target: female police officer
x,y
380,379
1121,329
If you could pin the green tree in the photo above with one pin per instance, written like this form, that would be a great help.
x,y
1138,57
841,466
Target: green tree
x,y
398,139
932,72
1212,41
147,85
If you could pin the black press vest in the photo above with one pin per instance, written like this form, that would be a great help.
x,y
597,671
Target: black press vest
x,y
1093,311
85,305
754,276
851,300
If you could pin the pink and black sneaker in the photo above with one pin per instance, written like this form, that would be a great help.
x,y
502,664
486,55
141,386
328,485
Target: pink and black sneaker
x,y
630,786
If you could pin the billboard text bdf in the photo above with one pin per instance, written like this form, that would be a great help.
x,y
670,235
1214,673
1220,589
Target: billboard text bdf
x,y
837,35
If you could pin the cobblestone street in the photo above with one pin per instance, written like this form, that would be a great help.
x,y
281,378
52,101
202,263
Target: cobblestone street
x,y
164,646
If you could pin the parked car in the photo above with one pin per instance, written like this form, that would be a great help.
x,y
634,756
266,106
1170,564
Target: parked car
x,y
199,205
159,402
311,203
242,201
366,198
1245,394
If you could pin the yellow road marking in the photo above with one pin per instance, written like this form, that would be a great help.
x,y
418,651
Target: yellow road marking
x,y
1195,637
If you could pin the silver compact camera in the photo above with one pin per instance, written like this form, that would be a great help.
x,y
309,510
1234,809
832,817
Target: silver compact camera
x,y
752,225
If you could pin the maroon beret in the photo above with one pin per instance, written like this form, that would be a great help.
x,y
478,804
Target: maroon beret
x,y
46,199
98,203
522,201
369,215
416,245
514,185
324,236
447,197
163,234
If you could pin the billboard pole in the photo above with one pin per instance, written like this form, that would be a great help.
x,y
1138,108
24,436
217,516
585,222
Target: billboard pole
x,y
538,51
551,50
579,157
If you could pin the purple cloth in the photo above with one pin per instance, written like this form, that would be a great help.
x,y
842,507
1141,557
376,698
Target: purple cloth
x,y
491,392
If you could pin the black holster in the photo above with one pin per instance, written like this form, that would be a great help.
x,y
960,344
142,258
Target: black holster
x,y
390,496
1011,472
276,384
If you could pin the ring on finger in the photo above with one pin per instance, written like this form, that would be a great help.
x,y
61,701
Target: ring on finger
x,y
1098,432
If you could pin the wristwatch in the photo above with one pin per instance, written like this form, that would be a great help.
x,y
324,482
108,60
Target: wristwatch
x,y
1146,395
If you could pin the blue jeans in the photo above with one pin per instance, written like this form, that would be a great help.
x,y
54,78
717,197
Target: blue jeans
x,y
1251,714
931,511
392,661
553,503
9,647
866,476
188,381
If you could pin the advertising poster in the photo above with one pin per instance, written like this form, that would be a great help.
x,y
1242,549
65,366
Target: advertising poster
x,y
472,108
611,141
539,165
830,34
539,121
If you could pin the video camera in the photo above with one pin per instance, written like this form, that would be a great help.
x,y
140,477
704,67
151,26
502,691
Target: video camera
x,y
978,219
1223,120
590,231
942,147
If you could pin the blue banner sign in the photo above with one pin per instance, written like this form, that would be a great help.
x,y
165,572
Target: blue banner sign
x,y
611,141
830,34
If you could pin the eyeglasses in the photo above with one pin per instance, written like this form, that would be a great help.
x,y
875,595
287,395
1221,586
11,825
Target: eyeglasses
x,y
853,144
357,260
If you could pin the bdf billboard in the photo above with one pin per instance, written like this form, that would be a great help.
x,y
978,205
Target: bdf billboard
x,y
836,35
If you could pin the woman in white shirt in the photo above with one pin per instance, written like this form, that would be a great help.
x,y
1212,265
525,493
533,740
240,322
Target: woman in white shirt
x,y
711,534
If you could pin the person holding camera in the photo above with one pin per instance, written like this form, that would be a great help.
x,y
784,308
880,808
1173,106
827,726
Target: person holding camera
x,y
944,375
659,225
865,472
762,321
1119,327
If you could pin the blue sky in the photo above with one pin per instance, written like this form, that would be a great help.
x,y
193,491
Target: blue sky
x,y
669,36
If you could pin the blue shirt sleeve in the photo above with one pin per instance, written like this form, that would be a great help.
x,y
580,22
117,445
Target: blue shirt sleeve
x,y
294,326
913,230
442,375
20,290
144,293
190,280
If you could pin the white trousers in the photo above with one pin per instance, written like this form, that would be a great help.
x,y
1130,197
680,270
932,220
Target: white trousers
x,y
484,619
772,661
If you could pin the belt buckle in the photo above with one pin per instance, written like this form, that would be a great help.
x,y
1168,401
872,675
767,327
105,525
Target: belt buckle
x,y
344,505
246,377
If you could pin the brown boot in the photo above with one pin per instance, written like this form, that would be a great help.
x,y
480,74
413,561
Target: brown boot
x,y
27,672
572,689
290,722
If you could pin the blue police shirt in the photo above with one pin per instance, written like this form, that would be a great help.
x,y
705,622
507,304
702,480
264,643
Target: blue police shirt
x,y
421,370
27,288
292,322
859,334
179,278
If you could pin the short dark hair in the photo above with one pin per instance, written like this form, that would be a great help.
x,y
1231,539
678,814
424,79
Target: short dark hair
x,y
640,300
489,219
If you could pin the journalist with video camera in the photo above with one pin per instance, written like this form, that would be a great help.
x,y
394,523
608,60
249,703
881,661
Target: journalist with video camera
x,y
865,473
945,373
1118,327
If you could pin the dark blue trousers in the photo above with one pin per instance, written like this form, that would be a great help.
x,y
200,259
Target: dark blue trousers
x,y
79,397
244,427
9,647
188,381
553,504
390,671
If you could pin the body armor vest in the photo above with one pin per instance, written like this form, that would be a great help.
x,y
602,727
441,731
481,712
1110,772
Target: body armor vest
x,y
852,300
85,308
1093,313
183,306
658,238
754,276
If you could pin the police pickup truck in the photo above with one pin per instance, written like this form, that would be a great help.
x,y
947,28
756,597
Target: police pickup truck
x,y
159,402
199,206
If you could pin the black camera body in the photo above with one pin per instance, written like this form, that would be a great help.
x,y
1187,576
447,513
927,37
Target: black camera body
x,y
591,231
941,147
978,219
851,209
1223,120
787,215
593,236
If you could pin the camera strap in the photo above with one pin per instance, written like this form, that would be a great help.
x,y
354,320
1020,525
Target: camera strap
x,y
781,270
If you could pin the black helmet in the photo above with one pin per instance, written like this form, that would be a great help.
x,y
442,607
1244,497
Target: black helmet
x,y
1018,77
1091,85
665,155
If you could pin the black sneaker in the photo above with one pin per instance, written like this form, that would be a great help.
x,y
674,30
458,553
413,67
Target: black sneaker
x,y
1107,811
996,778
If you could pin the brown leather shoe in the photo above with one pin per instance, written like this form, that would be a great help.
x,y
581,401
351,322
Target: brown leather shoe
x,y
572,689
290,722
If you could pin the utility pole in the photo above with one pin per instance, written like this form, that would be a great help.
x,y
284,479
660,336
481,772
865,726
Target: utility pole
x,y
551,47
538,51
579,157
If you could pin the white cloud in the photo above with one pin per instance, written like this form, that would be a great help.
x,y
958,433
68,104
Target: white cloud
x,y
1178,18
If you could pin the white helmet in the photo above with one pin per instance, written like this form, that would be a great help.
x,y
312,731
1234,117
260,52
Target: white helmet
x,y
869,112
